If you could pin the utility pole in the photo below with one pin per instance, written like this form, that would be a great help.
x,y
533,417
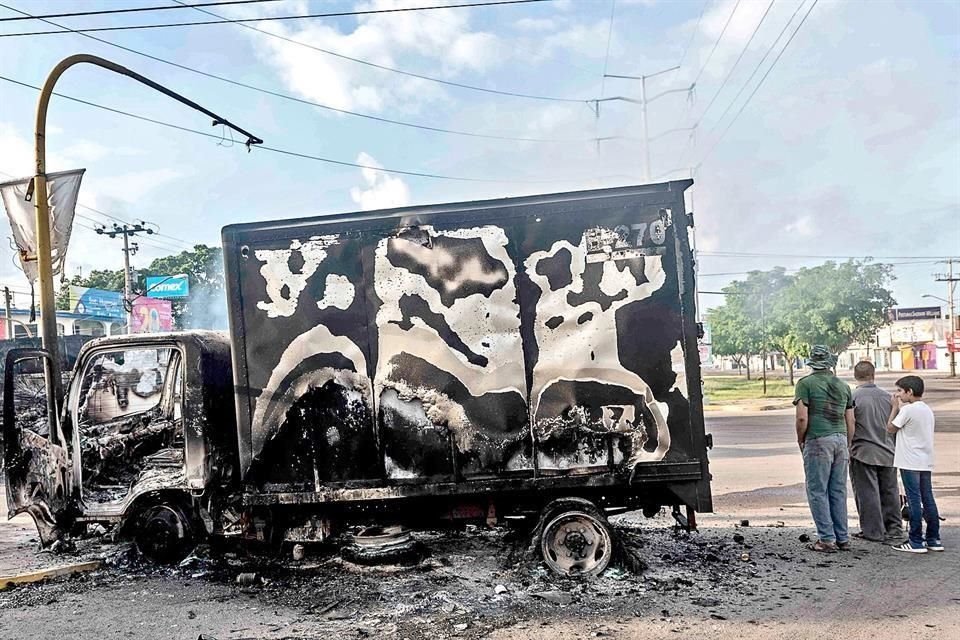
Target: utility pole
x,y
127,231
7,317
949,278
643,102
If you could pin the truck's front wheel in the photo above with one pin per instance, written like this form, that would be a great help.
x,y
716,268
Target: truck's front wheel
x,y
164,533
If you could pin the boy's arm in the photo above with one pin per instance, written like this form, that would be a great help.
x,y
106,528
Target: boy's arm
x,y
851,425
892,424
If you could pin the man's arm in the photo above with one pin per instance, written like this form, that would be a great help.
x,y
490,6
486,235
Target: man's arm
x,y
802,422
851,423
894,410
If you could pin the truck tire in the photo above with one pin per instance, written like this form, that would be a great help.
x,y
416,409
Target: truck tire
x,y
165,533
574,538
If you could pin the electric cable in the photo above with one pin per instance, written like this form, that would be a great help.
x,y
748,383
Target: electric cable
x,y
759,84
743,87
693,34
102,12
717,43
421,76
308,16
305,156
112,217
292,98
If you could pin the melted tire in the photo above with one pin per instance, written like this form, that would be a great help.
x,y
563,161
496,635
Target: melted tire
x,y
164,533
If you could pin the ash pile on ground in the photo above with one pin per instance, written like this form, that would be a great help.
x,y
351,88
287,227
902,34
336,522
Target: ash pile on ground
x,y
474,581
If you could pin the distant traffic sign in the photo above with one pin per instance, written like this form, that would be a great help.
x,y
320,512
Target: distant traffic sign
x,y
168,287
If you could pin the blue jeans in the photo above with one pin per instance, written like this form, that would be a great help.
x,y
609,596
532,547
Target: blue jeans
x,y
825,462
919,488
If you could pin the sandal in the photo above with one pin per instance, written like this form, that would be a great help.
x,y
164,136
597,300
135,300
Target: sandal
x,y
823,547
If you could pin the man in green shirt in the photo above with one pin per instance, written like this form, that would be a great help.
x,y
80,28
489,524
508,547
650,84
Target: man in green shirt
x,y
825,426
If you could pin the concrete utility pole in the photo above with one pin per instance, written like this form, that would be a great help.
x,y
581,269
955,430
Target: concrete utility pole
x,y
48,317
643,102
950,279
127,231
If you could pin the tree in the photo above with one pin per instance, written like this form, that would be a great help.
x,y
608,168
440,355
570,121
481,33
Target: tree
x,y
837,304
730,335
741,326
108,279
206,306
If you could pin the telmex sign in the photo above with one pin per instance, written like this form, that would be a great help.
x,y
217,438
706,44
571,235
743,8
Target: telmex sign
x,y
916,313
167,287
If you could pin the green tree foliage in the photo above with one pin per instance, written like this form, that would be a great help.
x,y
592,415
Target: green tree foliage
x,y
107,279
205,308
838,304
832,304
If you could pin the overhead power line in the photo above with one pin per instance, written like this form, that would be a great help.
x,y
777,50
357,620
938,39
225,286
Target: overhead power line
x,y
110,216
743,87
421,76
717,43
101,12
759,84
292,98
306,156
744,254
693,34
736,62
335,14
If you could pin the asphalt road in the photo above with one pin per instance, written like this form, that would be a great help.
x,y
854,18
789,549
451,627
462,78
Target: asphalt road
x,y
757,476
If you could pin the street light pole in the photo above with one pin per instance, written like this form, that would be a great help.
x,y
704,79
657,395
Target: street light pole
x,y
950,280
48,317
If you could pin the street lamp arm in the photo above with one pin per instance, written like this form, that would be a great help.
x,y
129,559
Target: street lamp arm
x,y
927,295
79,58
48,319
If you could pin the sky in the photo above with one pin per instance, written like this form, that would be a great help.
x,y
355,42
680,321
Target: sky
x,y
814,129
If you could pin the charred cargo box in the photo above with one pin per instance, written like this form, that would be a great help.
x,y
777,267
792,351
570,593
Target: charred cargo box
x,y
519,345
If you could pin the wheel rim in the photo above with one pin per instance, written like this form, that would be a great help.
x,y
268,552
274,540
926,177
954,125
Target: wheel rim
x,y
163,533
576,543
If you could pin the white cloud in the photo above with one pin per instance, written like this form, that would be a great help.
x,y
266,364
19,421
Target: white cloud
x,y
803,226
442,41
133,186
535,24
380,190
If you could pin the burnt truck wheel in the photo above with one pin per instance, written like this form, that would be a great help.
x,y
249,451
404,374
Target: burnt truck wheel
x,y
164,533
577,543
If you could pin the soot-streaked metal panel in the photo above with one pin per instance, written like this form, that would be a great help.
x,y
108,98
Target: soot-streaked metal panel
x,y
307,362
519,337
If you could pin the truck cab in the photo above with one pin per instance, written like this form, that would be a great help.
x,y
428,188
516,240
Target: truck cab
x,y
145,439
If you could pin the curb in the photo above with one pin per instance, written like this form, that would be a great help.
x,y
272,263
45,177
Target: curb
x,y
748,407
52,572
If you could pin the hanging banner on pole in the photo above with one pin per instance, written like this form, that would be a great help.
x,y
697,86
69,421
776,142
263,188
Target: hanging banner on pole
x,y
62,191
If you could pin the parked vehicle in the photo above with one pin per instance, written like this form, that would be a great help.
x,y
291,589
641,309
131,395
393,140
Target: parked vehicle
x,y
530,357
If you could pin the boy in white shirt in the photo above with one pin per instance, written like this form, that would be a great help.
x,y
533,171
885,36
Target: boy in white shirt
x,y
912,421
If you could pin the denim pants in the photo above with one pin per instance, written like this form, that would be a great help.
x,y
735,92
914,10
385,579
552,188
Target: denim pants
x,y
918,486
825,462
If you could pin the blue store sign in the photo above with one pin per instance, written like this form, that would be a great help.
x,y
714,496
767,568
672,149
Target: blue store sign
x,y
96,302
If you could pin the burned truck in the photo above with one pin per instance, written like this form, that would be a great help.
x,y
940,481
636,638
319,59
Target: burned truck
x,y
528,359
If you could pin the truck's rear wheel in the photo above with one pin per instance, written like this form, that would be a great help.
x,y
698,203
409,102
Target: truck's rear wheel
x,y
164,533
576,541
